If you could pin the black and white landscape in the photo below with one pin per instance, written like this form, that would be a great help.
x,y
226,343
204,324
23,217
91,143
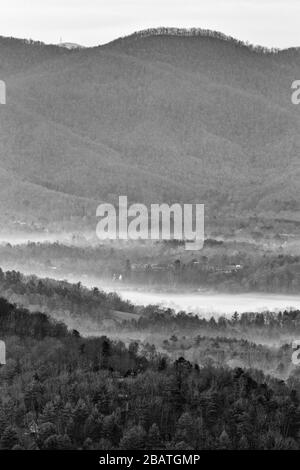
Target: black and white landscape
x,y
144,345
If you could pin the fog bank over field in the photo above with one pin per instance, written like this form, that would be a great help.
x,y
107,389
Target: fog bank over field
x,y
204,304
213,304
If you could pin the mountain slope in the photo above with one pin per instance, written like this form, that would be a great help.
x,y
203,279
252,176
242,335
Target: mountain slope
x,y
159,117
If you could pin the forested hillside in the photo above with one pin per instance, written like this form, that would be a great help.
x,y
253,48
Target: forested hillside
x,y
159,116
251,340
60,391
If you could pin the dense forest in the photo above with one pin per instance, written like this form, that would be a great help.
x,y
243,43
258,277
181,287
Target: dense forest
x,y
62,391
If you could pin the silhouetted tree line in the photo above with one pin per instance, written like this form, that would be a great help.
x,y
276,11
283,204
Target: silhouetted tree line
x,y
155,318
18,321
199,32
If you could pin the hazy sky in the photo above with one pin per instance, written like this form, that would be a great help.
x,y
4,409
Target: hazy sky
x,y
273,23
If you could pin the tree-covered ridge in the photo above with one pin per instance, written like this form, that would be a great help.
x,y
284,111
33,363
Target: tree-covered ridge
x,y
82,303
251,340
198,33
269,323
61,298
67,392
22,323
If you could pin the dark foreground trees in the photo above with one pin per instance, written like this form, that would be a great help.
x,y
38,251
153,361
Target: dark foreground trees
x,y
61,391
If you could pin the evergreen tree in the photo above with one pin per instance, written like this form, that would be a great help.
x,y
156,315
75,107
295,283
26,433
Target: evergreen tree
x,y
154,440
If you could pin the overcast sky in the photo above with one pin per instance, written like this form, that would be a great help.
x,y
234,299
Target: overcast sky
x,y
273,23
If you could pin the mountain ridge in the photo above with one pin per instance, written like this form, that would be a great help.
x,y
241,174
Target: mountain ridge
x,y
161,119
165,31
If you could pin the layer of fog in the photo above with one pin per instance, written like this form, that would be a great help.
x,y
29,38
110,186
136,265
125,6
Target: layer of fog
x,y
212,304
201,303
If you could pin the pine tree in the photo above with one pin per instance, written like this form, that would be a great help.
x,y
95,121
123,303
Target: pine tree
x,y
133,439
154,440
224,441
185,429
243,443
